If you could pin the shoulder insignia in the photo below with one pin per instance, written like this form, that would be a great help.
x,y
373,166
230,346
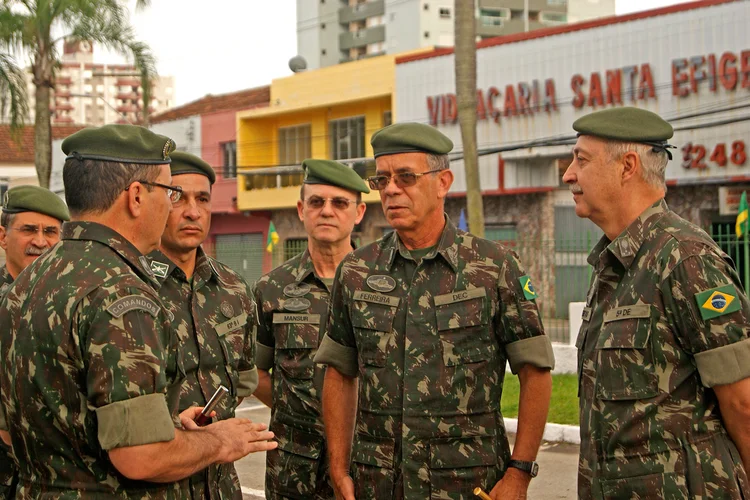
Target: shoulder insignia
x,y
528,289
131,303
718,302
159,269
381,283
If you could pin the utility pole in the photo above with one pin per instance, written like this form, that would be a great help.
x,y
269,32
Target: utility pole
x,y
466,99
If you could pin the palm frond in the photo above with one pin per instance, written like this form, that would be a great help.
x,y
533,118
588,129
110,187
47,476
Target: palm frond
x,y
13,96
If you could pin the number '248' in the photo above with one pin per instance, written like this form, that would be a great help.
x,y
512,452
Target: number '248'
x,y
694,155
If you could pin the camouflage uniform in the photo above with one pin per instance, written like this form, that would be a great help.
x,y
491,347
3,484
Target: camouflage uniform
x,y
7,470
429,342
650,427
214,319
293,305
95,360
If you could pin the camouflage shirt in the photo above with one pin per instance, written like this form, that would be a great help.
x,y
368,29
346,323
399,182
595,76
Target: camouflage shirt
x,y
429,342
94,355
7,469
293,305
665,320
214,319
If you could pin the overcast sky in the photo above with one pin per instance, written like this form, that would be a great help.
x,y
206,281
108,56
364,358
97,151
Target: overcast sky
x,y
220,46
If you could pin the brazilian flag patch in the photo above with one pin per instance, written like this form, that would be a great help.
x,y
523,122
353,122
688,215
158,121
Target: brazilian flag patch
x,y
528,289
718,301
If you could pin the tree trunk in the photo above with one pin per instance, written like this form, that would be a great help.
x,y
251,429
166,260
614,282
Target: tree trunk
x,y
43,135
466,99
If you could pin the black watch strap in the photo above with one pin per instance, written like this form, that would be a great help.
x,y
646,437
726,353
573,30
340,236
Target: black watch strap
x,y
531,468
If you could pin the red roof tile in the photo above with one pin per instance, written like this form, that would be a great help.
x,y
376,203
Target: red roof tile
x,y
22,152
250,98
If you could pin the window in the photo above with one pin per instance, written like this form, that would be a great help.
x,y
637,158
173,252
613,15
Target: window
x,y
347,138
505,234
229,150
322,26
426,6
387,118
294,246
294,144
562,3
494,17
376,48
445,13
553,18
374,21
323,52
427,34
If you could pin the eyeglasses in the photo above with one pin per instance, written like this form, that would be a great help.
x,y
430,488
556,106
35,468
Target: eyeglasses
x,y
173,192
317,203
32,230
402,180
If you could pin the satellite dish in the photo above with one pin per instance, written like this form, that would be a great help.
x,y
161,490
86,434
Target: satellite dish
x,y
297,64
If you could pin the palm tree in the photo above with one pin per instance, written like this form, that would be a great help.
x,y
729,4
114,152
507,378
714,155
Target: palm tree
x,y
12,93
466,100
31,27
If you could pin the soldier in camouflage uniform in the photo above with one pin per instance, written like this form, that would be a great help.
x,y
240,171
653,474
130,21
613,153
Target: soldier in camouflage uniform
x,y
214,316
293,302
89,371
425,320
30,224
663,352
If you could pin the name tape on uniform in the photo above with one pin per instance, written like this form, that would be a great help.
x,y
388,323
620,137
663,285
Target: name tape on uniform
x,y
310,319
376,298
450,298
232,324
628,312
131,303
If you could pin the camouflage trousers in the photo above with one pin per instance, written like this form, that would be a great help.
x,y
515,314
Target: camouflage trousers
x,y
217,482
8,473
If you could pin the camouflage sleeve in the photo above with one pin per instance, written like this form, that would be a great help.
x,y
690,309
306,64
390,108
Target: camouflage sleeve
x,y
264,356
339,348
704,300
522,333
122,335
247,365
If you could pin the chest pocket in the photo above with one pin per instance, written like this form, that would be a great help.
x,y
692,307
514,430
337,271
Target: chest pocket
x,y
462,319
372,319
625,364
297,339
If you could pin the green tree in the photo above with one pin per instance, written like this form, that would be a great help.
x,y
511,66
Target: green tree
x,y
35,28
13,99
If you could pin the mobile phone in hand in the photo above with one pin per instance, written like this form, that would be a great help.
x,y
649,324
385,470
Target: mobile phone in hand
x,y
205,416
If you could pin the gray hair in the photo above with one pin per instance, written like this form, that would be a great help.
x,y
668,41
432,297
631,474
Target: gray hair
x,y
438,162
654,162
6,219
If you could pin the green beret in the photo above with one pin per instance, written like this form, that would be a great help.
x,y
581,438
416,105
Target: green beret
x,y
186,163
119,143
35,199
409,138
625,124
333,173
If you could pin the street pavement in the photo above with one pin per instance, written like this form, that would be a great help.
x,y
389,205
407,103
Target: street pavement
x,y
557,464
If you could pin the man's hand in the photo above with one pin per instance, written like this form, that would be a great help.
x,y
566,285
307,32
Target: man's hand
x,y
240,437
343,487
187,417
5,436
513,486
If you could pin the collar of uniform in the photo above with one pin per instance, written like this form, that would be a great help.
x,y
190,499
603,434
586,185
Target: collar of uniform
x,y
158,257
205,268
447,246
304,267
5,277
625,247
93,231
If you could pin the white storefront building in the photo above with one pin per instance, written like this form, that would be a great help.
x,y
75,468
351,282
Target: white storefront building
x,y
688,63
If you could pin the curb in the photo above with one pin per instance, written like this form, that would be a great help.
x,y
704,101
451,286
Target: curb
x,y
553,433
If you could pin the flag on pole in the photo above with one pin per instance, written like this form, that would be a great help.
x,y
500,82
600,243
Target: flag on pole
x,y
741,226
462,221
273,238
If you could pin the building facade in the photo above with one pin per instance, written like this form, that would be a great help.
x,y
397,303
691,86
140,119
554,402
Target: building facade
x,y
689,63
335,31
98,94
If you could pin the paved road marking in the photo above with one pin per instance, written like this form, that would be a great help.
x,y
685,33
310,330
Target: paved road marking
x,y
250,408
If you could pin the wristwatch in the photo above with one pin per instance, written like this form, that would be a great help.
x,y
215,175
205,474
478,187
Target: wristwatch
x,y
531,468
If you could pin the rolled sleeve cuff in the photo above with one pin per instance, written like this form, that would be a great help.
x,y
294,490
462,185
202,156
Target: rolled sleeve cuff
x,y
536,351
341,357
248,383
134,422
263,356
724,365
